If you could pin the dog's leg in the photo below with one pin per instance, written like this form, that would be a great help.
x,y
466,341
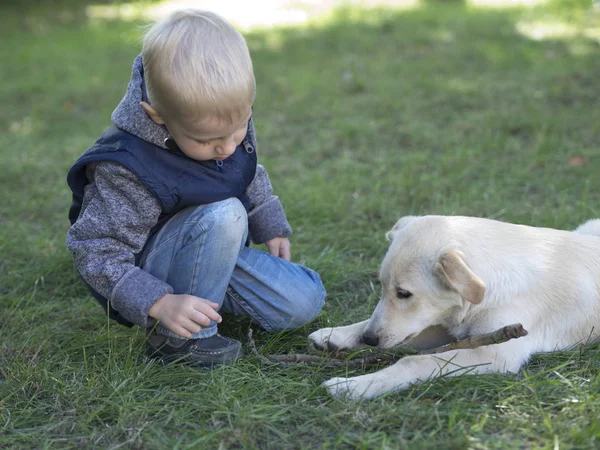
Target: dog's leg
x,y
506,357
339,338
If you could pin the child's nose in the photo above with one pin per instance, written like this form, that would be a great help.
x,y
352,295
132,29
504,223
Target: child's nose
x,y
227,147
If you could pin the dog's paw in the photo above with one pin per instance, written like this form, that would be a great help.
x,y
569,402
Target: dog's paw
x,y
361,387
321,339
342,388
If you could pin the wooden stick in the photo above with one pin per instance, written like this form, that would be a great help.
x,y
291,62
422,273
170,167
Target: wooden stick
x,y
295,359
499,336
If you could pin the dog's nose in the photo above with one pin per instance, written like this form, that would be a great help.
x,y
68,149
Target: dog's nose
x,y
370,339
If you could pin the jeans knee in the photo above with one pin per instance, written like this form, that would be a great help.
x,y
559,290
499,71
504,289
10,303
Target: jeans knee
x,y
225,221
230,219
312,307
306,303
316,301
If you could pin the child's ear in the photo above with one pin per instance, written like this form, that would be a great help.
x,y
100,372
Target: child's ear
x,y
152,113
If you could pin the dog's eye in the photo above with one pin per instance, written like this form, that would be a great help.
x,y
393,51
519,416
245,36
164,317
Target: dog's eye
x,y
401,293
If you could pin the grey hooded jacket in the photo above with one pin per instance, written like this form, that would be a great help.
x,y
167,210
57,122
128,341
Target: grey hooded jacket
x,y
118,213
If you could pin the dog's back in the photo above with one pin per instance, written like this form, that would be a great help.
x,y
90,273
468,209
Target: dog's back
x,y
554,280
591,227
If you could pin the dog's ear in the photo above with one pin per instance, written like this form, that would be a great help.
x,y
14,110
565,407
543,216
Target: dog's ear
x,y
453,271
398,226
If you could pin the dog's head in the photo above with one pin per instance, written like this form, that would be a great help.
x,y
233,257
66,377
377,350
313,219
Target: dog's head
x,y
424,279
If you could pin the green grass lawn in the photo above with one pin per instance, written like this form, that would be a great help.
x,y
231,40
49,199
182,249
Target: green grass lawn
x,y
362,118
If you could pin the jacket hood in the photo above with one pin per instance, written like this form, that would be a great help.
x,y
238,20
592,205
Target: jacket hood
x,y
129,115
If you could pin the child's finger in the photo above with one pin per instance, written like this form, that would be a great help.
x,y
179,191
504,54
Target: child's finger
x,y
180,331
206,311
213,305
200,318
212,314
202,301
285,252
192,327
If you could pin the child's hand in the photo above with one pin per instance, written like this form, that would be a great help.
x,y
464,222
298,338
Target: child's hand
x,y
279,246
184,314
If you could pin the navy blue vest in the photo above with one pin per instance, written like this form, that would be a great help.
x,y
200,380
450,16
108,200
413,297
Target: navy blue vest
x,y
174,179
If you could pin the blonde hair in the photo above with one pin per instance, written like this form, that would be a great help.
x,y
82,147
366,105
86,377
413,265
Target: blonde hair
x,y
196,64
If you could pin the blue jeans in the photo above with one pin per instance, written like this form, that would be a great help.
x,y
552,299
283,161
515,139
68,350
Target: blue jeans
x,y
201,251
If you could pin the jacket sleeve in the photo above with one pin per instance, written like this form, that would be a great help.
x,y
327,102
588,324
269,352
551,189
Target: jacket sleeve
x,y
266,217
117,216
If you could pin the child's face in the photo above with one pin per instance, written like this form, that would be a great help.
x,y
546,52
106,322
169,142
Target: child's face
x,y
203,139
208,138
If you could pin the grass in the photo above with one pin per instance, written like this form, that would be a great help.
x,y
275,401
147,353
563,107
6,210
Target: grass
x,y
362,117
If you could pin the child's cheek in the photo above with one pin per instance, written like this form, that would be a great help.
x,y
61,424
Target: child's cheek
x,y
239,137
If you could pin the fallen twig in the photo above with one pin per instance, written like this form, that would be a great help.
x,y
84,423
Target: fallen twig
x,y
294,359
499,336
503,334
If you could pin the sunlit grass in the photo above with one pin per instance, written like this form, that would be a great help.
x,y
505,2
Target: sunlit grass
x,y
505,3
244,14
556,29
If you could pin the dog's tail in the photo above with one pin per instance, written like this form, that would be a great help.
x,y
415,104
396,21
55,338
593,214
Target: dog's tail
x,y
590,227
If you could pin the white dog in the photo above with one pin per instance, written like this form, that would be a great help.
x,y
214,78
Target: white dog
x,y
472,276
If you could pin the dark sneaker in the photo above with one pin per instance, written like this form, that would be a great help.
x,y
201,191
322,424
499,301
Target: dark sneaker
x,y
213,351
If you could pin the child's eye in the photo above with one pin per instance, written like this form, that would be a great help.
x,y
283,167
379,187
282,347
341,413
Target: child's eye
x,y
203,142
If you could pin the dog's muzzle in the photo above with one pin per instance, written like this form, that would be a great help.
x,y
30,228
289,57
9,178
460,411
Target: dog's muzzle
x,y
370,339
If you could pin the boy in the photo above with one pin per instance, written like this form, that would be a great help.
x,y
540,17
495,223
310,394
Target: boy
x,y
166,200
